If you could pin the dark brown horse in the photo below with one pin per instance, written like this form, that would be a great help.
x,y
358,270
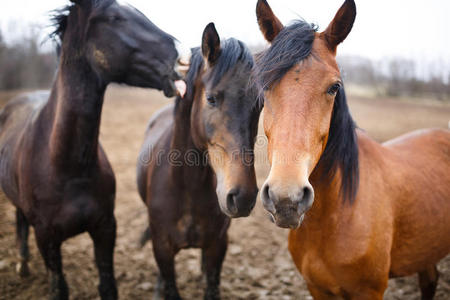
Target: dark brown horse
x,y
52,166
370,212
197,161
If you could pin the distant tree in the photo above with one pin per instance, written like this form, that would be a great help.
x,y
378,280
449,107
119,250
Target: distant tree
x,y
396,77
23,65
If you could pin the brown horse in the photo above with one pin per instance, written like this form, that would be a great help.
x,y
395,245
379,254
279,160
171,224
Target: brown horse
x,y
196,162
370,212
52,166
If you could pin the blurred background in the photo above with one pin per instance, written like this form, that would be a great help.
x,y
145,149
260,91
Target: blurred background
x,y
397,48
396,67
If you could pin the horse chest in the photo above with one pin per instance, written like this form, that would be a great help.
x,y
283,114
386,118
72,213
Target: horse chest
x,y
316,272
197,224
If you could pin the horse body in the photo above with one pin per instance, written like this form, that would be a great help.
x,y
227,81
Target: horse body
x,y
194,173
360,212
179,195
57,175
52,166
390,230
420,209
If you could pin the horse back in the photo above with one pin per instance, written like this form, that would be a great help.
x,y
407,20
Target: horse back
x,y
158,127
15,118
425,155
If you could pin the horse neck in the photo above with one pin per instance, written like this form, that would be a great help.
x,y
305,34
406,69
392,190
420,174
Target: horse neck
x,y
328,197
183,142
75,108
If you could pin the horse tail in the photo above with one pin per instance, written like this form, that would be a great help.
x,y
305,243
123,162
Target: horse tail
x,y
145,237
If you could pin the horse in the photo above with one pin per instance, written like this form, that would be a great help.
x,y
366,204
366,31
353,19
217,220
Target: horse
x,y
196,167
52,167
360,212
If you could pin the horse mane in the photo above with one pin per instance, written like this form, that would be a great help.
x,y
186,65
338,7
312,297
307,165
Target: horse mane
x,y
341,151
195,66
291,46
233,52
59,19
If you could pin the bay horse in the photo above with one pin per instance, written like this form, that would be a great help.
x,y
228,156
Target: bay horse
x,y
196,167
52,166
360,212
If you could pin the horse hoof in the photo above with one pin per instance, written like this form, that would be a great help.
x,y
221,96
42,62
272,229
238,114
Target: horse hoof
x,y
22,269
157,295
213,294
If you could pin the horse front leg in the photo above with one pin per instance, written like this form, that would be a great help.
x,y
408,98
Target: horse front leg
x,y
165,258
428,280
50,249
22,231
104,238
212,260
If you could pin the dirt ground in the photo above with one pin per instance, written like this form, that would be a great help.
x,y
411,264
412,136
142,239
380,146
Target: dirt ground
x,y
257,265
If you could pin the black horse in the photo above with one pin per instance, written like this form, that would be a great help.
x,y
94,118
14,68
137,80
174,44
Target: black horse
x,y
52,166
196,162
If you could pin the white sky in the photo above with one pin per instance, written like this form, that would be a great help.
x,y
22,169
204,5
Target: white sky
x,y
416,29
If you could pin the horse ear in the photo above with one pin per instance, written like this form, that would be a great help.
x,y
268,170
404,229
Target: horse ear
x,y
211,44
341,25
79,2
83,3
269,24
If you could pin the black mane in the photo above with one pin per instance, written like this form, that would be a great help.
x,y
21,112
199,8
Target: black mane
x,y
341,150
232,52
59,18
293,45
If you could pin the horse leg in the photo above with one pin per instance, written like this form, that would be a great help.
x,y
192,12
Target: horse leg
x,y
428,280
104,238
212,259
22,230
51,252
165,258
145,237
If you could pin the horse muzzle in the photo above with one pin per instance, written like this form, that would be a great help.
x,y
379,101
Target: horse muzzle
x,y
287,211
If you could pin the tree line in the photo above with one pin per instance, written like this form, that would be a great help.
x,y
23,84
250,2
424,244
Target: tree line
x,y
24,65
397,77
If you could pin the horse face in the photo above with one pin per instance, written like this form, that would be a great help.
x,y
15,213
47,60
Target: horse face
x,y
297,115
124,46
226,124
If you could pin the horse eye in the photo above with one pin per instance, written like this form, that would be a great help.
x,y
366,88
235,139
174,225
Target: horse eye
x,y
332,90
114,19
211,100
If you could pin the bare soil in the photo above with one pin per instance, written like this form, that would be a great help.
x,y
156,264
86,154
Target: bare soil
x,y
257,266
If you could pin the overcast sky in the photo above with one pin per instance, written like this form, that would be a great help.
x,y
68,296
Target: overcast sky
x,y
416,29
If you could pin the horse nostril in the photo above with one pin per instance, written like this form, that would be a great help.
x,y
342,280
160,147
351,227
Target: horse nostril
x,y
265,192
268,199
231,201
307,194
305,197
